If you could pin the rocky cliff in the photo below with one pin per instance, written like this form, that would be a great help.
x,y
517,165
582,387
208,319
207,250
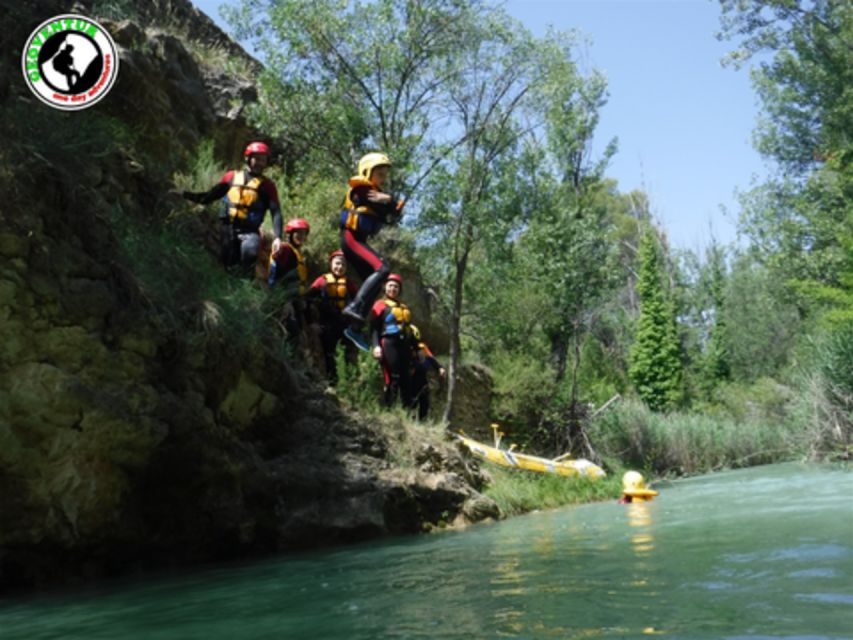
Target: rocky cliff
x,y
132,434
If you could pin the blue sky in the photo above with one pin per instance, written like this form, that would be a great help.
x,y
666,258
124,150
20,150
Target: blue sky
x,y
684,123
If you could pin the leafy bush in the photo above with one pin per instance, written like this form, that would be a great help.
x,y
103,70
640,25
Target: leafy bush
x,y
690,442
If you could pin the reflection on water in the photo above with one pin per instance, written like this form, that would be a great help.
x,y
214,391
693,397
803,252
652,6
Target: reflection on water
x,y
712,557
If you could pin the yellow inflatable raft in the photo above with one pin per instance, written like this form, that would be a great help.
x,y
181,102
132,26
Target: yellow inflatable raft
x,y
509,458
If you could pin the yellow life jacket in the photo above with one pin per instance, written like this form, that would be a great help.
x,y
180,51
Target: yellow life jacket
x,y
301,267
336,289
402,317
242,195
352,212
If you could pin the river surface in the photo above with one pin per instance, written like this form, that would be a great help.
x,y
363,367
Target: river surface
x,y
759,553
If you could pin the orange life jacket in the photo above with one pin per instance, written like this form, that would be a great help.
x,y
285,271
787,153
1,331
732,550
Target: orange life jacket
x,y
242,195
336,290
351,211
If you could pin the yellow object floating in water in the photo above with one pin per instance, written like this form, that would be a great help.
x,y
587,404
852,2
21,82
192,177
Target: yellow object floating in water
x,y
634,487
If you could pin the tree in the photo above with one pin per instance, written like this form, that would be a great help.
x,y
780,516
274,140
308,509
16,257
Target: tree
x,y
762,321
716,366
806,86
348,77
571,224
498,70
797,221
655,360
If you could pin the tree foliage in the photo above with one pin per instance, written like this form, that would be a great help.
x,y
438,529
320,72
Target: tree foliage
x,y
799,222
655,362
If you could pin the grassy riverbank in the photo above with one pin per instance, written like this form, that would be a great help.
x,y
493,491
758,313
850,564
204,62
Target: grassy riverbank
x,y
517,491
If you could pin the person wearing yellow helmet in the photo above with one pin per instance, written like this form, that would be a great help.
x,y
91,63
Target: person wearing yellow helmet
x,y
367,208
422,363
333,290
634,488
246,196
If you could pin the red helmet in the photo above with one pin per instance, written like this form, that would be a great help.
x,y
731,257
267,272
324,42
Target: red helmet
x,y
296,224
256,147
395,278
336,253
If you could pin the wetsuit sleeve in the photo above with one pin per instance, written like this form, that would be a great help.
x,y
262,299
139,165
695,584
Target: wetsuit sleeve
x,y
359,196
388,212
316,288
430,360
376,322
216,193
283,269
275,207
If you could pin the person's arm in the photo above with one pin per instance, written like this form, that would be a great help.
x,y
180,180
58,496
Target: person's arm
x,y
432,362
375,321
277,220
217,192
317,287
386,205
283,267
275,208
352,290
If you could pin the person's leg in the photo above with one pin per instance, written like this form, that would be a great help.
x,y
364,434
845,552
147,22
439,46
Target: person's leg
x,y
229,245
389,390
249,245
370,268
423,404
329,337
395,355
420,394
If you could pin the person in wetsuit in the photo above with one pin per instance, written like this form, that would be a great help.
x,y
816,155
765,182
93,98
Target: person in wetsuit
x,y
389,330
289,272
422,363
331,292
367,208
247,196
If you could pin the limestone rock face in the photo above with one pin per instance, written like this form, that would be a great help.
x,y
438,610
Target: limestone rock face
x,y
124,445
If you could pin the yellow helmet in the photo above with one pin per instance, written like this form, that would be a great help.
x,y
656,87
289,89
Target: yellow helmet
x,y
369,162
633,481
416,333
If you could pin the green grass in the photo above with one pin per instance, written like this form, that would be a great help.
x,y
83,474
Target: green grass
x,y
517,491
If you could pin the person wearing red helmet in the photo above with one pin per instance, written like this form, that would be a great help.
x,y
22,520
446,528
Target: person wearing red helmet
x,y
246,197
287,264
289,273
333,290
390,322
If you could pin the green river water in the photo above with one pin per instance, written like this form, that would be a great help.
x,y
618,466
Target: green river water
x,y
758,553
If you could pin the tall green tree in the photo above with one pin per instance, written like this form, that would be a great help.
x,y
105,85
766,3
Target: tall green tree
x,y
805,83
761,319
464,209
343,77
571,224
656,368
797,221
715,358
